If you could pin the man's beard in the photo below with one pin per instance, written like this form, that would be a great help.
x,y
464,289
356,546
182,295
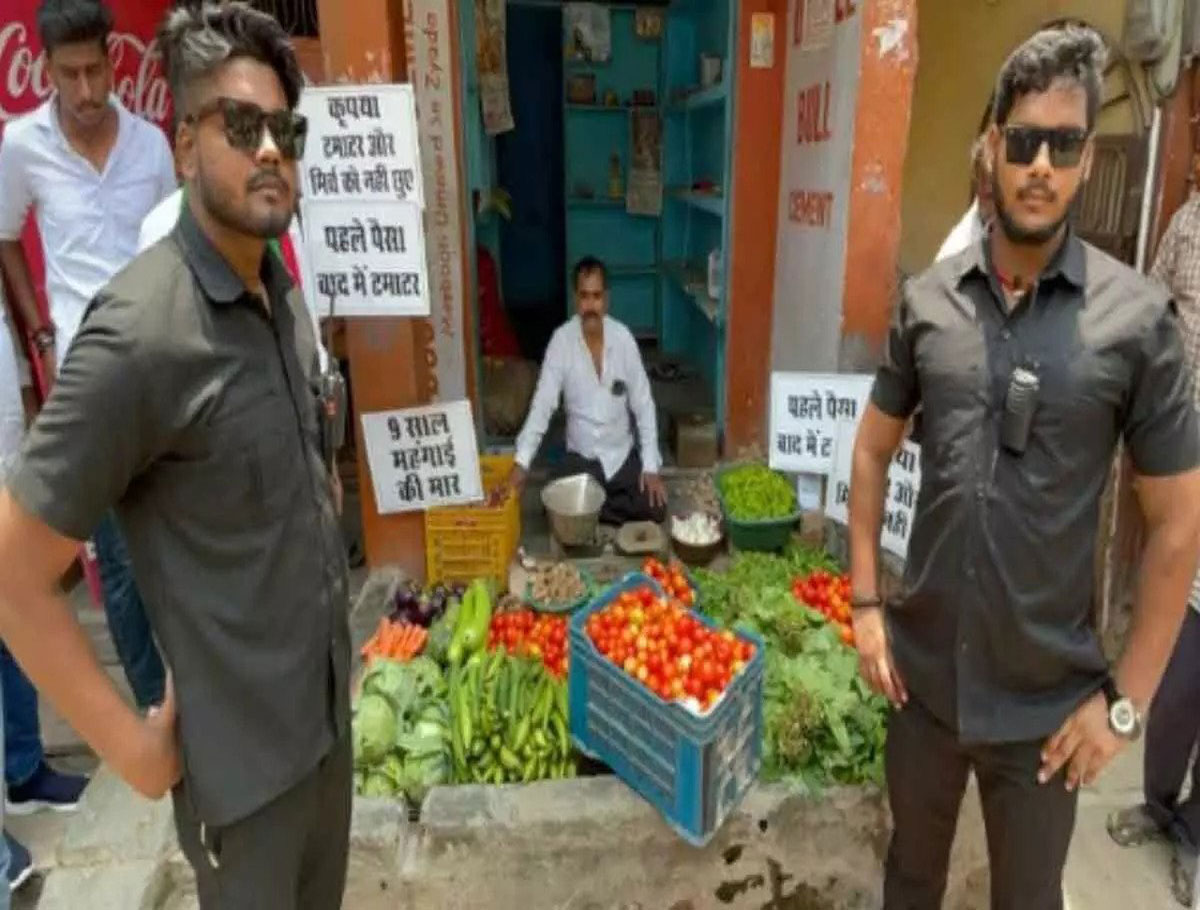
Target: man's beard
x,y
1017,234
267,226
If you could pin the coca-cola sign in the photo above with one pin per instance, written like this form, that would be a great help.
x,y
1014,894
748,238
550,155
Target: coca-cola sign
x,y
25,82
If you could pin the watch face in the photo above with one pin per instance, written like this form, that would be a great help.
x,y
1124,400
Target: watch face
x,y
1123,717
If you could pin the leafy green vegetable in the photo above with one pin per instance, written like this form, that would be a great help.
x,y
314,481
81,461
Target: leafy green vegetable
x,y
402,730
374,728
754,492
822,724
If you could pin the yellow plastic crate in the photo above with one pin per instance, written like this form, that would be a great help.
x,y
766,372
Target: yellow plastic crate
x,y
467,542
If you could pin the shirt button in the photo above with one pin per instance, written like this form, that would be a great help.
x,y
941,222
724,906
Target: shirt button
x,y
1005,334
980,493
970,572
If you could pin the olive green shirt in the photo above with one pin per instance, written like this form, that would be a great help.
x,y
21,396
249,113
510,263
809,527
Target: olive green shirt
x,y
189,406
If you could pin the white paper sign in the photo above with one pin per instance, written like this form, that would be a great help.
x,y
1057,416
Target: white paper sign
x,y
808,491
806,410
366,258
900,498
815,21
362,143
424,457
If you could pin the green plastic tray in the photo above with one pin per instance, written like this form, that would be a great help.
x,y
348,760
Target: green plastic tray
x,y
763,535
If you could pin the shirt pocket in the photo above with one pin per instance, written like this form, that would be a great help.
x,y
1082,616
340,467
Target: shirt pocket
x,y
245,469
130,201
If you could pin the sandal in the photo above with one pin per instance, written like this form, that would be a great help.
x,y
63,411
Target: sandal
x,y
1134,827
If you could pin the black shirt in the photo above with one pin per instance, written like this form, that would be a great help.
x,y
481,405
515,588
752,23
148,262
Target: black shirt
x,y
993,628
190,406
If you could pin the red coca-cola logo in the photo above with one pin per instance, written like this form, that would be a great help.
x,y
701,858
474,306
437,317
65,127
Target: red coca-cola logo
x,y
25,83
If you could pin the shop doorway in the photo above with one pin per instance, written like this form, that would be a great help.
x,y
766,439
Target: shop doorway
x,y
619,148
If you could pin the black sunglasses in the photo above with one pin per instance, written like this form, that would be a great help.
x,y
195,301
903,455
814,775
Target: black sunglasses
x,y
1023,143
244,122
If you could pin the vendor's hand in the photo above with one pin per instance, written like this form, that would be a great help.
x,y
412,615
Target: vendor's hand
x,y
875,661
151,764
654,489
1085,744
516,479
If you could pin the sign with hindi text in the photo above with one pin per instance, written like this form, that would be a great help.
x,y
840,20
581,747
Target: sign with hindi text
x,y
900,492
806,411
421,458
362,144
366,258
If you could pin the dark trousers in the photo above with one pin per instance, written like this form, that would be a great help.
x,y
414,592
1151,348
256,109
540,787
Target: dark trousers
x,y
289,855
626,500
1028,825
126,615
1172,734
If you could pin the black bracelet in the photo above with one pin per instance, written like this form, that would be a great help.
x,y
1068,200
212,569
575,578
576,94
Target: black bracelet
x,y
866,603
43,339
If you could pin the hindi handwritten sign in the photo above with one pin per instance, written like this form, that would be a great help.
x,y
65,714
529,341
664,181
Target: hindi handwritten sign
x,y
367,259
362,144
423,457
900,497
806,411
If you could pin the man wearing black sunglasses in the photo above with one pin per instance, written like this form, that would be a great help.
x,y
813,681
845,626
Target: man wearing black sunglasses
x,y
1031,355
189,401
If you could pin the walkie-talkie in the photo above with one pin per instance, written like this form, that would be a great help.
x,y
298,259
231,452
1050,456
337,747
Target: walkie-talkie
x,y
332,399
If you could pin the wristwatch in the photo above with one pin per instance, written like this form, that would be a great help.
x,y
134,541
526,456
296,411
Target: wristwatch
x,y
867,602
1124,719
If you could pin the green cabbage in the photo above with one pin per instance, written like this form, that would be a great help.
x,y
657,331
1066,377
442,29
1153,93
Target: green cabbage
x,y
379,786
374,728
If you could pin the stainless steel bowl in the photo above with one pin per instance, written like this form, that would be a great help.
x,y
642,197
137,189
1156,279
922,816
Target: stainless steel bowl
x,y
573,506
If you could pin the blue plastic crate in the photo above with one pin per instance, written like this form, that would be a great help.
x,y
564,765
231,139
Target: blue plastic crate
x,y
694,770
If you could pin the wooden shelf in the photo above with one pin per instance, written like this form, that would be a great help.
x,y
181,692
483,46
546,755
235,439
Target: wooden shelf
x,y
633,271
702,98
611,109
691,280
712,203
595,202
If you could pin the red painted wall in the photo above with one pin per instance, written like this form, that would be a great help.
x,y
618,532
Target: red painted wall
x,y
756,166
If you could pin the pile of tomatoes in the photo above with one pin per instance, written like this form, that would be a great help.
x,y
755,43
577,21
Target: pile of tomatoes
x,y
524,633
673,580
657,641
829,595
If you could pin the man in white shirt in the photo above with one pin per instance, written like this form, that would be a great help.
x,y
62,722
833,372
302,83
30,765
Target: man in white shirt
x,y
1173,726
90,171
972,226
593,364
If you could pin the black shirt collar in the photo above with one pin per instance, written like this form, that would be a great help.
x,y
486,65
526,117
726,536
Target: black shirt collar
x,y
216,276
1069,263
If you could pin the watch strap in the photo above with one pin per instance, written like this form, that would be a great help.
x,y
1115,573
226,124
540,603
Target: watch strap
x,y
1112,694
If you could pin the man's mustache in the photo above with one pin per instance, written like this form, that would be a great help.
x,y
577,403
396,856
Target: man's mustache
x,y
1037,189
265,180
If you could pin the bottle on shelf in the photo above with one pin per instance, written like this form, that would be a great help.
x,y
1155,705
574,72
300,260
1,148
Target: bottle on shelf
x,y
616,183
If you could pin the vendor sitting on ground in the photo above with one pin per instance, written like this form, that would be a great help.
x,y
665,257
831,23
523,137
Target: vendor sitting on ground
x,y
593,364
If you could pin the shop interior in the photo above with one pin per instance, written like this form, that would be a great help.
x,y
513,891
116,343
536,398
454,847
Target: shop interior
x,y
619,148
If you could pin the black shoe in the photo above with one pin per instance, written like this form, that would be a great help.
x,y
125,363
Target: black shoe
x,y
47,789
20,863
